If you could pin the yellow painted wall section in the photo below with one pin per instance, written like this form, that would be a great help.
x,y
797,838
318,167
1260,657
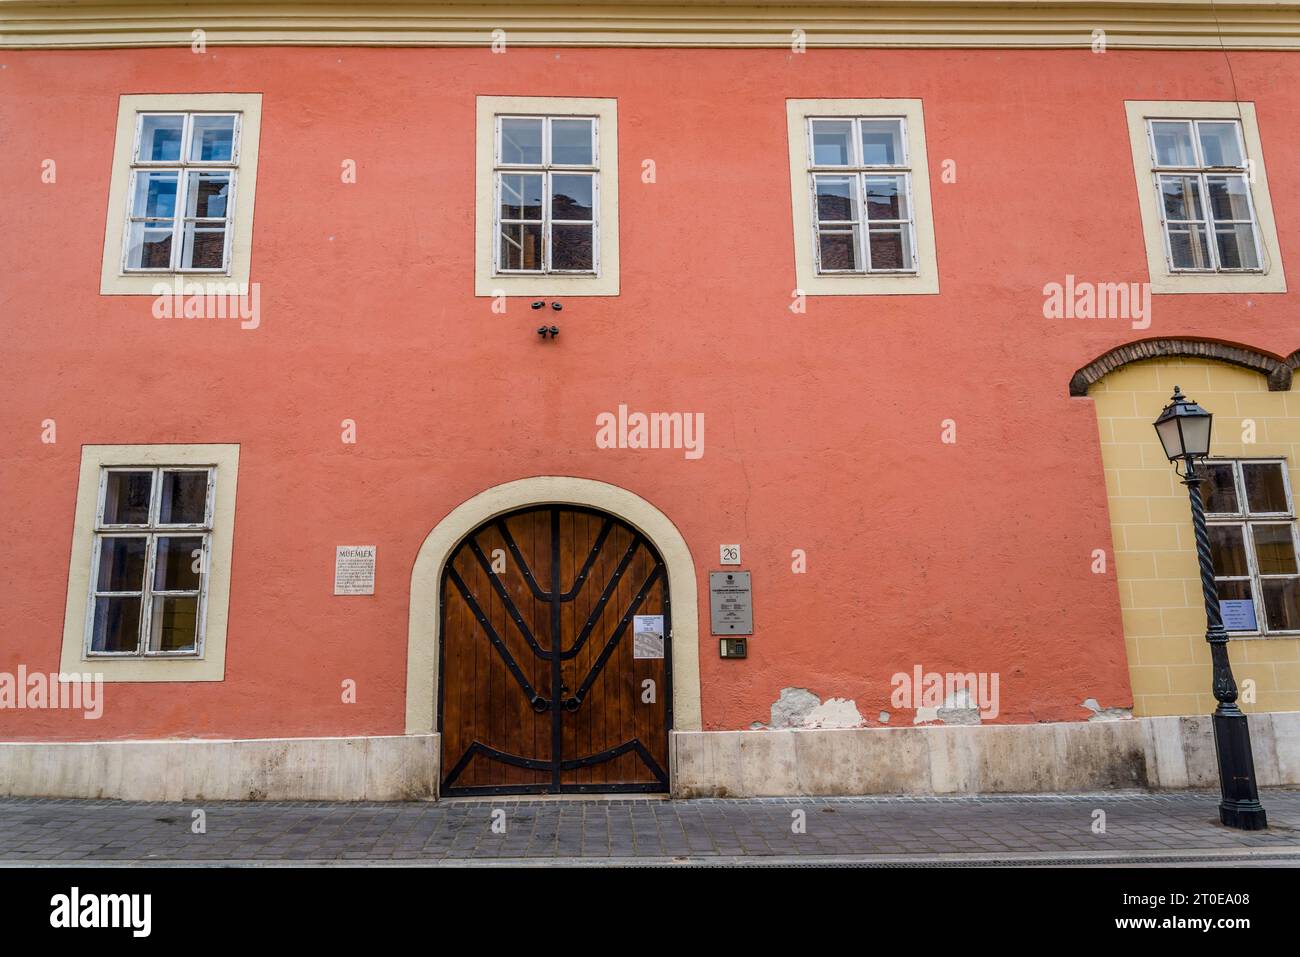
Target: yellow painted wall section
x,y
1151,526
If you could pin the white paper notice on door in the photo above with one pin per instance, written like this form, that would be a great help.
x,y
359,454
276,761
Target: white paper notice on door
x,y
647,636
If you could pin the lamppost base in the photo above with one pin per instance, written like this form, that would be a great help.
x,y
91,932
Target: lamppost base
x,y
1244,816
1239,807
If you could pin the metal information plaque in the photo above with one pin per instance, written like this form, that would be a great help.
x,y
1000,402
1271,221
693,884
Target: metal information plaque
x,y
731,604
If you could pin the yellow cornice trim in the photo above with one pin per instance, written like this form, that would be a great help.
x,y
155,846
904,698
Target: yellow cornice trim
x,y
1151,24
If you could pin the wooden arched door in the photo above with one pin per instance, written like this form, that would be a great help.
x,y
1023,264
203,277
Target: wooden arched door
x,y
555,657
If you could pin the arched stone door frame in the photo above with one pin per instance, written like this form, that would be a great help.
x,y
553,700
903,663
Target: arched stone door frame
x,y
423,622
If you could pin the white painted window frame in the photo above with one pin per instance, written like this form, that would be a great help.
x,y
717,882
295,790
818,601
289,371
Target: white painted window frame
x,y
923,278
151,531
185,168
488,281
1244,519
1271,277
545,170
1201,172
210,664
858,170
115,279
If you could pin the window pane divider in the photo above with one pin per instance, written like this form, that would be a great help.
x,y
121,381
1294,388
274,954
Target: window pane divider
x,y
187,169
151,533
545,169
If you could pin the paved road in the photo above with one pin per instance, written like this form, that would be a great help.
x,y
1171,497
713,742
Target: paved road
x,y
1179,827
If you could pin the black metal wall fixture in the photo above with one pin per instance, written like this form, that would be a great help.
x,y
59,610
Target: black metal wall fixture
x,y
547,331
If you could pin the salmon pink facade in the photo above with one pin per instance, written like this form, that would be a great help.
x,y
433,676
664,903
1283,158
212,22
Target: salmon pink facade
x,y
914,483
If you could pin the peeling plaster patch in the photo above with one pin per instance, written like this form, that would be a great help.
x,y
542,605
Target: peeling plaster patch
x,y
792,707
884,717
1106,714
960,716
800,708
835,713
957,708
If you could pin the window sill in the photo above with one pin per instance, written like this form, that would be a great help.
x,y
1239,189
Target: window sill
x,y
878,274
148,669
1167,283
872,284
169,273
131,656
148,283
552,284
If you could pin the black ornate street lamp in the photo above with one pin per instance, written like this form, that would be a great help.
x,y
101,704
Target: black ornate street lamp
x,y
1184,430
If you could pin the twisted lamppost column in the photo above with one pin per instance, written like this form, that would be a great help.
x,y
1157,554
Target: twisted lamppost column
x,y
1239,806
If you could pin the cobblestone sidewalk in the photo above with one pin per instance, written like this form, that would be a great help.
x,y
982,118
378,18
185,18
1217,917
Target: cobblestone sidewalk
x,y
1036,828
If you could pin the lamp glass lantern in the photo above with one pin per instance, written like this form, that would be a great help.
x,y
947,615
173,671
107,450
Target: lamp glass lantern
x,y
1184,428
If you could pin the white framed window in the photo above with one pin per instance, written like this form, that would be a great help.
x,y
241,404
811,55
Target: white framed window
x,y
1200,171
860,187
184,169
547,180
183,183
152,538
149,574
546,196
860,192
1254,545
1207,217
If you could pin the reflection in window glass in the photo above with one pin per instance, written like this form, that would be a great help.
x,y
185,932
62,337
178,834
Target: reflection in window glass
x,y
891,249
572,247
1228,550
160,138
1219,145
832,142
839,250
178,218
1256,567
836,199
1219,491
175,622
1209,223
1173,143
521,140
1282,604
127,496
116,624
1265,486
155,195
546,220
149,583
122,563
862,217
212,139
1274,549
882,142
571,142
571,196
